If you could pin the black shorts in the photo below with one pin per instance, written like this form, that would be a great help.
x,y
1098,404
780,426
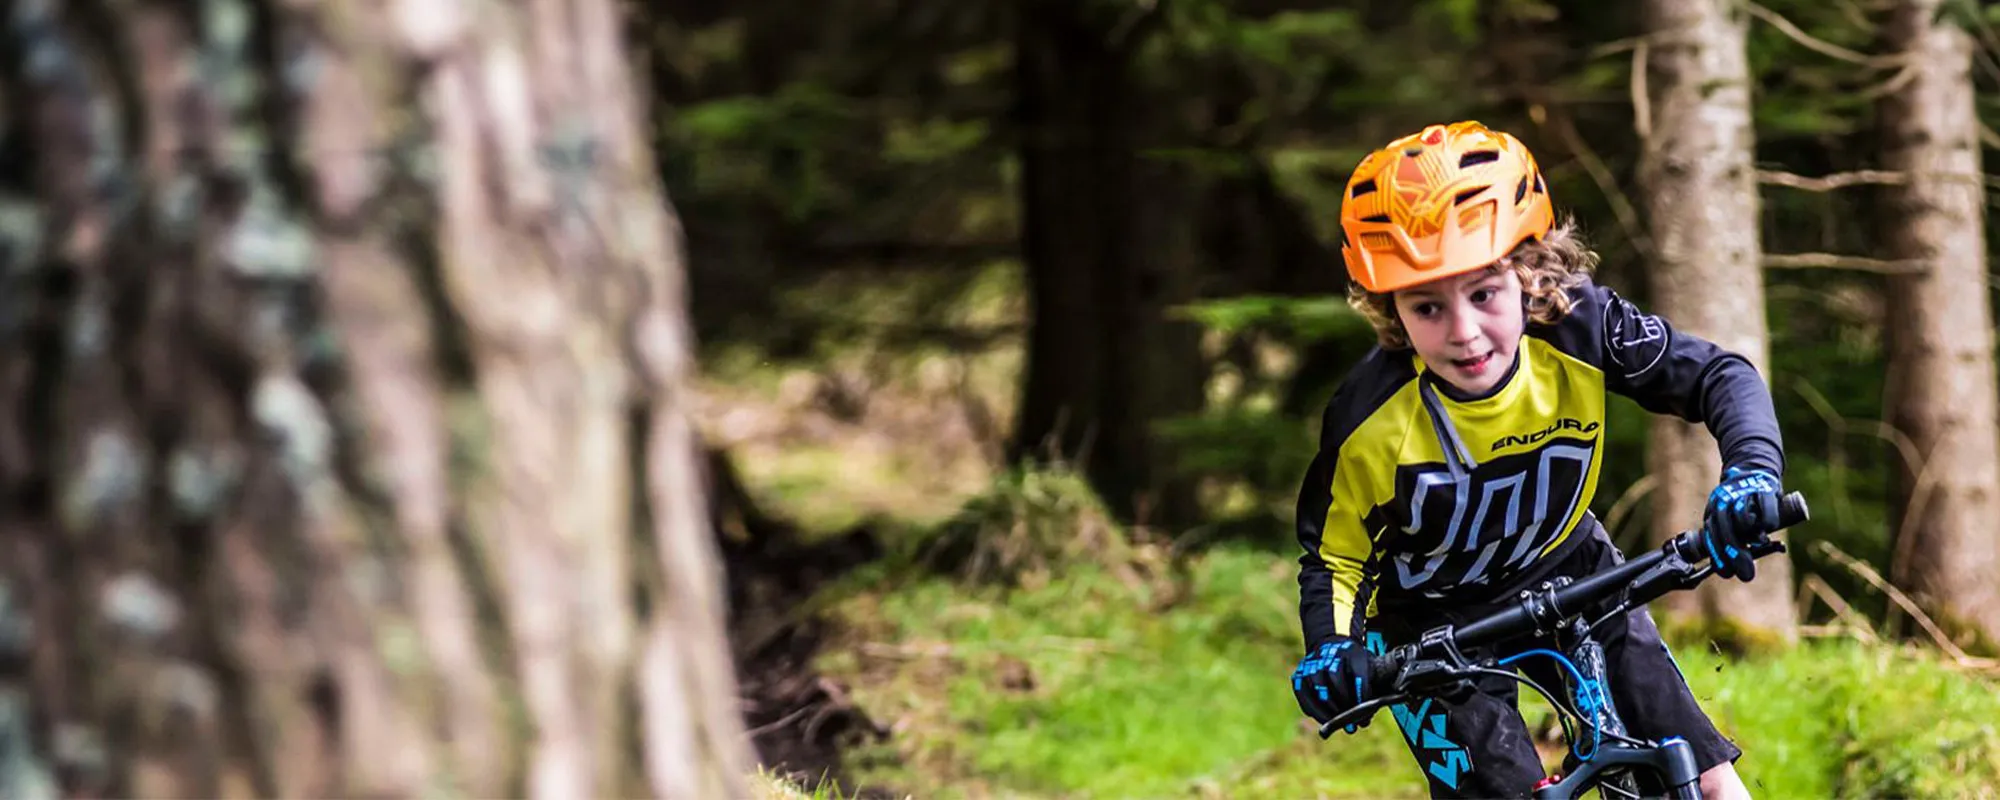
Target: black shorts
x,y
1482,748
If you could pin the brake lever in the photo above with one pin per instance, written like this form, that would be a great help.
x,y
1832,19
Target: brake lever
x,y
1358,713
1770,546
1412,677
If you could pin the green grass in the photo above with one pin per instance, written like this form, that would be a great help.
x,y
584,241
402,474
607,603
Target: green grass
x,y
1090,686
1851,720
1127,698
766,785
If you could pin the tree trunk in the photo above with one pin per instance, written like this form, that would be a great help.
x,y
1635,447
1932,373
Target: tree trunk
x,y
343,436
1701,198
1940,337
1108,253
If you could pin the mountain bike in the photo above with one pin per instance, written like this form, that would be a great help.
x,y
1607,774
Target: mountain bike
x,y
1617,764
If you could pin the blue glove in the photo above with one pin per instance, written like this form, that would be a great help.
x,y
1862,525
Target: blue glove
x,y
1333,679
1742,511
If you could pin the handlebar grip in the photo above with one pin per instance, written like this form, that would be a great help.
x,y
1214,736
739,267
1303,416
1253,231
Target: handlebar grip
x,y
1385,668
1792,510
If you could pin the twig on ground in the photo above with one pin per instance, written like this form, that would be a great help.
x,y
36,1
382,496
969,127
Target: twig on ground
x,y
1849,618
1903,601
784,720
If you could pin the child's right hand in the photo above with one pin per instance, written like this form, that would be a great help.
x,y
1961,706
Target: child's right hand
x,y
1333,679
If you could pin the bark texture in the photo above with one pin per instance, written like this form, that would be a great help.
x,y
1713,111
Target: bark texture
x,y
1701,199
1940,336
343,426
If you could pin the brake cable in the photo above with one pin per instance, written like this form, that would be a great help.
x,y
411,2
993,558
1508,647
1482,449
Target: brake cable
x,y
1597,730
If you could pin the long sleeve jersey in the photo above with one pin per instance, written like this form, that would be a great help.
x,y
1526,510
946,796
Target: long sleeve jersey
x,y
1421,497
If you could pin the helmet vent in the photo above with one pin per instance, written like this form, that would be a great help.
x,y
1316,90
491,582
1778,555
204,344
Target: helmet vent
x,y
1376,218
1468,195
1477,157
1364,187
1476,217
1539,185
1521,192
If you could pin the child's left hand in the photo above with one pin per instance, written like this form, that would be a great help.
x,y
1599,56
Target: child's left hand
x,y
1742,511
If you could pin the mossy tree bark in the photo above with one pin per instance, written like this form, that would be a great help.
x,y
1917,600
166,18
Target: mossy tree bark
x,y
1940,331
1701,201
343,436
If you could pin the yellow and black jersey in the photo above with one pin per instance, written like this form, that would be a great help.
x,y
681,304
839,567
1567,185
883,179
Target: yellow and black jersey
x,y
1422,496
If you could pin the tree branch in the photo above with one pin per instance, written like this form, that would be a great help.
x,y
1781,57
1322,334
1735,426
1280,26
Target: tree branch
x,y
1834,261
1988,137
1617,46
1621,204
1642,105
1786,27
1895,83
1615,520
1842,180
1827,183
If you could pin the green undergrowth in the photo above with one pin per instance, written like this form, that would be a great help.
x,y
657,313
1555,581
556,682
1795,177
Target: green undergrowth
x,y
1028,528
1096,679
766,785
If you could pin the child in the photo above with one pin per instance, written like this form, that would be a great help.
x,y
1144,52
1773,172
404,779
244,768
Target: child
x,y
1458,459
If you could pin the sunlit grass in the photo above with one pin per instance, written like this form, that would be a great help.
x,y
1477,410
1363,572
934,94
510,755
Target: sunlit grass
x,y
766,785
1850,720
1093,687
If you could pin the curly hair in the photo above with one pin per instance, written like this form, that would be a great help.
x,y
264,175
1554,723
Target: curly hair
x,y
1548,268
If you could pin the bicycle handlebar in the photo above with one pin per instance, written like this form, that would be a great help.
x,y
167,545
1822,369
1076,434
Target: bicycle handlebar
x,y
1677,564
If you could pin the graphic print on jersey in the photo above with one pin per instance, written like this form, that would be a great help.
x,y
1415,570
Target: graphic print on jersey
x,y
1495,520
1634,341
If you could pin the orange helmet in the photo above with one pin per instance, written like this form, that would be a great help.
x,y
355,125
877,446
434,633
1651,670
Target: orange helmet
x,y
1449,200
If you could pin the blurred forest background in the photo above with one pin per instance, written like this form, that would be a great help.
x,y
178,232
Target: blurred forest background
x,y
885,398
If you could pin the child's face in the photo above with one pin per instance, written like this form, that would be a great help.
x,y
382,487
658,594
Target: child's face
x,y
1466,327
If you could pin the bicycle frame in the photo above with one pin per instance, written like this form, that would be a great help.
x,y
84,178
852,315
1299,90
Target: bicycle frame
x,y
1434,665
